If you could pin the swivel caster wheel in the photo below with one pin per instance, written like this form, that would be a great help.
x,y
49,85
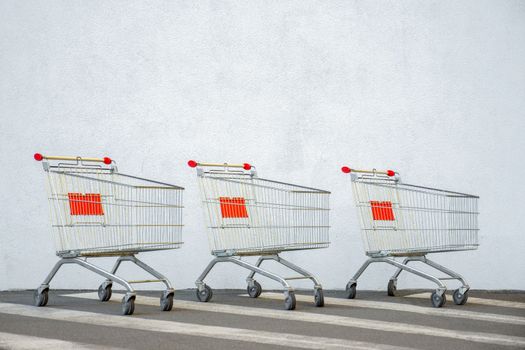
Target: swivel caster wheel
x,y
319,297
41,297
255,290
391,288
351,290
438,300
205,294
289,300
104,291
460,298
128,305
166,300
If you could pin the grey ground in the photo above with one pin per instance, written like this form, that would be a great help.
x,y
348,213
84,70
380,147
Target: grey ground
x,y
137,339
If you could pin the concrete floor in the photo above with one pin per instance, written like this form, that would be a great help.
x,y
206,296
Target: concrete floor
x,y
76,319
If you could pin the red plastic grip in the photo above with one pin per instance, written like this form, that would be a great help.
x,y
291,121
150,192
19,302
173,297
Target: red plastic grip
x,y
246,166
346,169
107,160
38,157
192,163
390,172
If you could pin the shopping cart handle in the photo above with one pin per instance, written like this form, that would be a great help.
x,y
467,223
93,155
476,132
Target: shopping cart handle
x,y
39,157
193,164
347,170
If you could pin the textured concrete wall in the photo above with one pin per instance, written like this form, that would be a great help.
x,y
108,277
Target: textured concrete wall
x,y
434,89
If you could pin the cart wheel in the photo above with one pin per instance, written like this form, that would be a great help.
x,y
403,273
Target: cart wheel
x,y
392,288
104,292
41,298
166,301
255,290
437,300
128,306
351,290
289,300
319,297
205,294
460,299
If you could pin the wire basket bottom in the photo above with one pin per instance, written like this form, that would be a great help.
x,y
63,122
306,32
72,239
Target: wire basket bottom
x,y
422,250
269,250
120,249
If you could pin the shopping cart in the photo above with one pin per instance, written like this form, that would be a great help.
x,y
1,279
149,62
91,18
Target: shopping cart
x,y
98,212
402,220
248,215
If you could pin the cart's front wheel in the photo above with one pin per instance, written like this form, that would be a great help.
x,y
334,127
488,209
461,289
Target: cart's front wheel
x,y
128,305
289,300
437,300
391,288
319,297
104,292
351,290
255,290
205,294
460,298
166,301
41,297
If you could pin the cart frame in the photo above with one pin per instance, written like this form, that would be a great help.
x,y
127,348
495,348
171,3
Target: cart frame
x,y
254,289
438,297
79,257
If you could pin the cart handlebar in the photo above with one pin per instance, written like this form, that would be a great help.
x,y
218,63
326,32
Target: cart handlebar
x,y
106,160
347,170
193,164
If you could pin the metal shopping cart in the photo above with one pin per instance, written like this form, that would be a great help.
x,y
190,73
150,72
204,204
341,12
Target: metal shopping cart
x,y
98,212
402,220
248,215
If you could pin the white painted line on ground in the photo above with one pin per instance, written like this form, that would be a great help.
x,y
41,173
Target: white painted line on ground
x,y
335,320
382,305
27,342
191,329
480,301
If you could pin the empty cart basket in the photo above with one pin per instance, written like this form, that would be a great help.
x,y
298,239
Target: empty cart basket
x,y
402,220
248,215
98,212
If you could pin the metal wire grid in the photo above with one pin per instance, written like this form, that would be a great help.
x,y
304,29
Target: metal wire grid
x,y
268,216
131,215
420,220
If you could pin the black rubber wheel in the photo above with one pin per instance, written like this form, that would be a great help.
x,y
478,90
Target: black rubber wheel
x,y
319,298
104,293
289,300
205,294
460,299
166,302
351,290
255,290
391,289
41,298
128,307
437,300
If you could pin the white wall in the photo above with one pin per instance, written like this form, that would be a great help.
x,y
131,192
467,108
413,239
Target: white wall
x,y
433,89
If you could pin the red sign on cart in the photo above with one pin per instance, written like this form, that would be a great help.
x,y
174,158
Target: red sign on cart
x,y
85,204
382,210
234,207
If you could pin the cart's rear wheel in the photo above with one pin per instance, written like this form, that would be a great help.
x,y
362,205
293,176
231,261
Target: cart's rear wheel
x,y
392,288
41,297
255,290
319,297
438,300
128,305
166,301
351,290
460,298
289,300
104,292
205,294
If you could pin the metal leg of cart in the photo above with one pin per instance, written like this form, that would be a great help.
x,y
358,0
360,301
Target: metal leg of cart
x,y
205,293
128,301
255,289
166,298
438,296
460,295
